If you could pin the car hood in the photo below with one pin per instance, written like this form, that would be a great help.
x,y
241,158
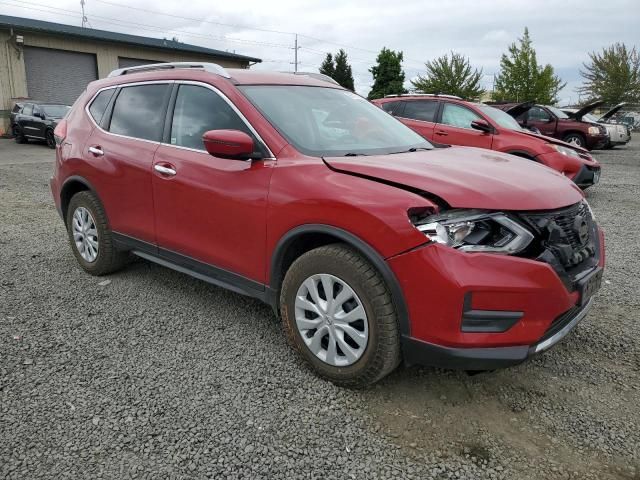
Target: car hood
x,y
553,141
466,177
589,107
612,112
520,108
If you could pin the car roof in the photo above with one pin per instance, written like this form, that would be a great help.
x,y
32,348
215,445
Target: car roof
x,y
237,76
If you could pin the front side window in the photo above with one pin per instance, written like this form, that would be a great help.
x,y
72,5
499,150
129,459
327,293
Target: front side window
x,y
324,121
99,104
199,109
557,112
424,110
139,111
538,114
458,116
28,109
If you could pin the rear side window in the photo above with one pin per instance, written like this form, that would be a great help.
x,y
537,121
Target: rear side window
x,y
28,109
99,104
424,110
198,110
394,108
139,111
458,116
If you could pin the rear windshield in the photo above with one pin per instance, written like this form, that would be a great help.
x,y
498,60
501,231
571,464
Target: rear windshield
x,y
321,121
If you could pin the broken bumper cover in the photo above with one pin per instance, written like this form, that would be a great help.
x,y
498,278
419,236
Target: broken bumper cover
x,y
423,353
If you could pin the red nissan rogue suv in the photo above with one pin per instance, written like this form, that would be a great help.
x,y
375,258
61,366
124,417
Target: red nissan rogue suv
x,y
451,120
372,245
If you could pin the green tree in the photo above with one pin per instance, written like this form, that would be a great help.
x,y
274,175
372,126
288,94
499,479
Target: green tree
x,y
612,75
452,76
328,67
388,77
522,79
343,74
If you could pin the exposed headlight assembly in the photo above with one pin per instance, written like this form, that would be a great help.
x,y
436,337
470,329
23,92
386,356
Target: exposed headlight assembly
x,y
476,231
570,152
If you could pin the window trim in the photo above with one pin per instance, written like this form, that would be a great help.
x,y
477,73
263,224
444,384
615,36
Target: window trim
x,y
481,117
173,83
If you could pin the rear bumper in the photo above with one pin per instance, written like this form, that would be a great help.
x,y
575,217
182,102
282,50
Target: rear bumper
x,y
423,353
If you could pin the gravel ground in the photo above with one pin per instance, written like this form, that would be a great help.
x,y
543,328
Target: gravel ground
x,y
151,374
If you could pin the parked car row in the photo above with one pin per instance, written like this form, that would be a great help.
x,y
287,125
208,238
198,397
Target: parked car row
x,y
617,133
451,120
36,121
373,245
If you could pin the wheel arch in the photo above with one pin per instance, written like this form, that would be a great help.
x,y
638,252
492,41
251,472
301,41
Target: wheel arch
x,y
307,237
70,187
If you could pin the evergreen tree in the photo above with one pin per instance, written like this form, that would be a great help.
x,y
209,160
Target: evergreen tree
x,y
452,76
343,74
522,79
328,67
613,75
388,77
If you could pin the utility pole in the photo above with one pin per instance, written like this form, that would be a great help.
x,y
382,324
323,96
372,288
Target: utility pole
x,y
84,17
295,54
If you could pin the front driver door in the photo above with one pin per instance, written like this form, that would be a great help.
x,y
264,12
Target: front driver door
x,y
212,210
454,127
541,119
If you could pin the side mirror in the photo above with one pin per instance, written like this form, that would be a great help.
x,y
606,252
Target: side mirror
x,y
232,144
482,125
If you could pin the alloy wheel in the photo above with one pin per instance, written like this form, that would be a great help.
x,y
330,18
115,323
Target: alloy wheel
x,y
85,234
331,320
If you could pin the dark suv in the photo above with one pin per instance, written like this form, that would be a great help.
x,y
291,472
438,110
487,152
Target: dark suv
x,y
36,121
372,245
553,122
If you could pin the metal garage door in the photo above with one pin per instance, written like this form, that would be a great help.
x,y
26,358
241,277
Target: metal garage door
x,y
124,62
58,76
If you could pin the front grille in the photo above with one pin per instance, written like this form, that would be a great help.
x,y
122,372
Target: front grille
x,y
566,239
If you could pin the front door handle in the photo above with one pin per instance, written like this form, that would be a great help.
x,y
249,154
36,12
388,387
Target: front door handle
x,y
441,133
97,151
164,170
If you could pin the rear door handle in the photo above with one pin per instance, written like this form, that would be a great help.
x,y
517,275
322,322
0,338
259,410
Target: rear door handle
x,y
164,170
97,151
442,133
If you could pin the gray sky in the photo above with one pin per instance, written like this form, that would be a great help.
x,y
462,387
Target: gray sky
x,y
563,31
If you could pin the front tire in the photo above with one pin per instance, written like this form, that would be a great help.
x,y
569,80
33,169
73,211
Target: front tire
x,y
575,139
338,314
90,237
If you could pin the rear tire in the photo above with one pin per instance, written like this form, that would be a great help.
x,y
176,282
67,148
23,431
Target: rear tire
x,y
368,347
19,137
51,140
90,237
575,139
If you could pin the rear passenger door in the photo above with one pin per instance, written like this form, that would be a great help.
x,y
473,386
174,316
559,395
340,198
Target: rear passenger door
x,y
420,116
210,210
119,154
454,127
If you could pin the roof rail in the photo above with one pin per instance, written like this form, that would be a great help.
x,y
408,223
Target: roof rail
x,y
318,76
207,67
423,95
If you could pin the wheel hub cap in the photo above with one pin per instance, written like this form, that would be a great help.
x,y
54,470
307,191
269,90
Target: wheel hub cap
x,y
331,320
85,234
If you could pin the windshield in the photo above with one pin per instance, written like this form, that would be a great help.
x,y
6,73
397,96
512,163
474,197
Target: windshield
x,y
503,119
321,121
557,112
55,110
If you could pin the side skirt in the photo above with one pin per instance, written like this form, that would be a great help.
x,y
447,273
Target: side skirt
x,y
195,268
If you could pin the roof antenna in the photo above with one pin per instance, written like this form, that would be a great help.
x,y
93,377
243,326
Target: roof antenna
x,y
84,17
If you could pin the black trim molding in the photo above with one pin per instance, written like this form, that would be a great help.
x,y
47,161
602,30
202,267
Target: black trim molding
x,y
486,321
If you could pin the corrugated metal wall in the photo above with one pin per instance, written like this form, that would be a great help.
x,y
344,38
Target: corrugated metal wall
x,y
58,76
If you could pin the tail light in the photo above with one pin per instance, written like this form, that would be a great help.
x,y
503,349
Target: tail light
x,y
60,132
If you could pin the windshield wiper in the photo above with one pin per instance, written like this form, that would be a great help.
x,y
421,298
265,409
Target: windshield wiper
x,y
352,154
414,149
